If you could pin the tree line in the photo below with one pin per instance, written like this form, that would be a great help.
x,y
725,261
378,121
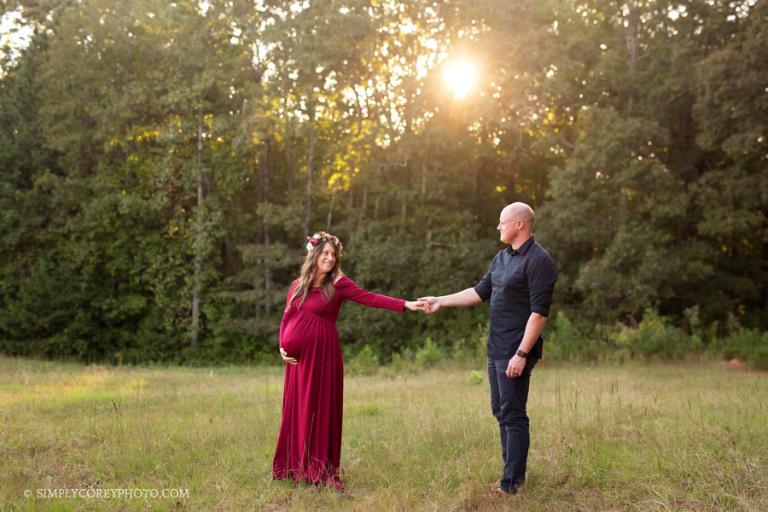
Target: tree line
x,y
163,162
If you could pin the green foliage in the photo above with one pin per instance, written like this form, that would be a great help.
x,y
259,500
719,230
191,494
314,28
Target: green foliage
x,y
429,354
402,364
655,339
154,154
475,377
470,349
564,341
365,362
748,345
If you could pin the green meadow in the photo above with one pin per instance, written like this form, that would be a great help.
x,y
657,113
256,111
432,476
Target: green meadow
x,y
629,437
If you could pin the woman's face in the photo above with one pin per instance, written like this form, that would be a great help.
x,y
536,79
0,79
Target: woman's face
x,y
327,259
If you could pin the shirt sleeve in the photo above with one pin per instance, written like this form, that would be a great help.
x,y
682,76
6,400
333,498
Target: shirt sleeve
x,y
484,287
288,312
352,291
542,276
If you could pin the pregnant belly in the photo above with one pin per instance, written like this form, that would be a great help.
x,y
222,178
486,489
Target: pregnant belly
x,y
304,331
291,341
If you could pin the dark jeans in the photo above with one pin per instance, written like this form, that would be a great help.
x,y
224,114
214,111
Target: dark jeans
x,y
508,403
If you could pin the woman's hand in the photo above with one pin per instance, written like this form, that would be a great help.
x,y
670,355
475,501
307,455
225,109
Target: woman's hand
x,y
417,305
288,359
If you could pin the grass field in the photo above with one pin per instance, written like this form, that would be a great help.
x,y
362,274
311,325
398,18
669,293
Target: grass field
x,y
634,437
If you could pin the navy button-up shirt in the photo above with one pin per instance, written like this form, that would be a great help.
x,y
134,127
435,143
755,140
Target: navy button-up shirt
x,y
519,282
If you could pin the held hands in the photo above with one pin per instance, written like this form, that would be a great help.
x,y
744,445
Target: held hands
x,y
433,303
426,305
418,305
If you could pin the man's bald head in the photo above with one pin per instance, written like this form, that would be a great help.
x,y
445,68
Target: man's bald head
x,y
515,224
517,211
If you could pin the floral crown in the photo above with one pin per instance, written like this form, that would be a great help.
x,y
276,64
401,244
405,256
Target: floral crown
x,y
322,236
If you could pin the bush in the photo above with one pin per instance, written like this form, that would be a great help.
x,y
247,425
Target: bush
x,y
654,338
565,342
475,377
401,364
748,345
470,349
365,362
429,354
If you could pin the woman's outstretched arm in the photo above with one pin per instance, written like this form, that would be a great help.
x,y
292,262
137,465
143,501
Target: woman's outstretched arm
x,y
352,291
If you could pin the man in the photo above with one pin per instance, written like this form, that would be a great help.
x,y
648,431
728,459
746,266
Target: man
x,y
519,283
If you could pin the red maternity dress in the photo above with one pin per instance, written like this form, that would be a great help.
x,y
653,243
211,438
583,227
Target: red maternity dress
x,y
309,443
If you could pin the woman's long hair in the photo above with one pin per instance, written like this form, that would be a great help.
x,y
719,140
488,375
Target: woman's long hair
x,y
307,276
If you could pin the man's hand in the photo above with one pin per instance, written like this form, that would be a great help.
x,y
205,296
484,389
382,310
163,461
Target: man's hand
x,y
434,304
288,359
515,367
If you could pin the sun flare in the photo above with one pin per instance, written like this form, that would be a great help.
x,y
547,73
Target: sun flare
x,y
460,76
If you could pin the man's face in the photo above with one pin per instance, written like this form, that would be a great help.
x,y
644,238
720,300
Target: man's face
x,y
508,228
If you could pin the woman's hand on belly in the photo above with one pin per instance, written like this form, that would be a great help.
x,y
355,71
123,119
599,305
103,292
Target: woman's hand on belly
x,y
288,359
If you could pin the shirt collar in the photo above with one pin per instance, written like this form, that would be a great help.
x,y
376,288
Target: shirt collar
x,y
522,249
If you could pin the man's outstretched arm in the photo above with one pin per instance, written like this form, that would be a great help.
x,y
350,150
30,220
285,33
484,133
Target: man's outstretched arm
x,y
463,299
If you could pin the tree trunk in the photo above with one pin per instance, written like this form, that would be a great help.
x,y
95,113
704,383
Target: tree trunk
x,y
266,240
310,159
352,181
423,198
764,323
378,192
198,270
631,31
289,158
363,202
329,219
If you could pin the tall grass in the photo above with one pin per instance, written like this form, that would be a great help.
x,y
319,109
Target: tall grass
x,y
633,437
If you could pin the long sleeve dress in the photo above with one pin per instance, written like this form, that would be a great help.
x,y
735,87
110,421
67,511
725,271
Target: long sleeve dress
x,y
309,443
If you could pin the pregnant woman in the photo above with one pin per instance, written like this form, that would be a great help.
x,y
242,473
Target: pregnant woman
x,y
309,443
